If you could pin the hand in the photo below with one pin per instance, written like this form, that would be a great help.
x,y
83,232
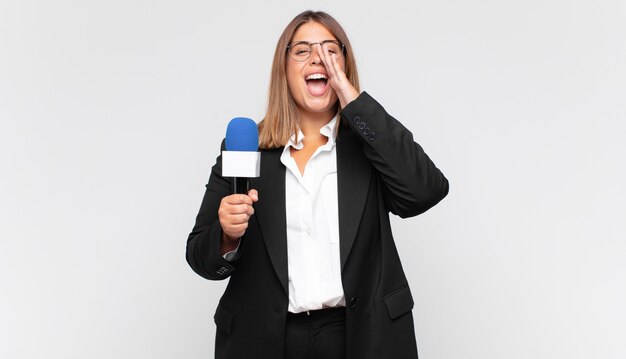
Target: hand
x,y
337,77
234,212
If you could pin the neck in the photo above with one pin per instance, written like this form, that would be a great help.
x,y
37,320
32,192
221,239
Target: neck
x,y
312,122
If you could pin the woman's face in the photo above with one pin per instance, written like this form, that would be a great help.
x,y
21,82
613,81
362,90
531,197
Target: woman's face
x,y
308,80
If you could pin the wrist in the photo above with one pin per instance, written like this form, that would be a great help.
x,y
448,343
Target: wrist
x,y
348,97
228,244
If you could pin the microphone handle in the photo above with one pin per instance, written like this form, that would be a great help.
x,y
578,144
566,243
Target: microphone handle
x,y
241,185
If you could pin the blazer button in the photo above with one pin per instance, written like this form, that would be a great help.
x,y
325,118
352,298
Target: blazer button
x,y
354,302
357,119
372,136
366,131
362,125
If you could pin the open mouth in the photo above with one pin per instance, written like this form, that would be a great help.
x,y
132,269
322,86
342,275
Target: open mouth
x,y
316,84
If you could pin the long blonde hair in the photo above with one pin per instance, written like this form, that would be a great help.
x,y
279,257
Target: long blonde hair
x,y
282,116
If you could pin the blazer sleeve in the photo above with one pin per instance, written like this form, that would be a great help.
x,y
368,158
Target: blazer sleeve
x,y
203,243
412,182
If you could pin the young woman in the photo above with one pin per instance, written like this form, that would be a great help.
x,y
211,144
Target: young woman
x,y
314,272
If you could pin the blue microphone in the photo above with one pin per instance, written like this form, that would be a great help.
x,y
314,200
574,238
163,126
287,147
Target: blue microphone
x,y
242,135
241,160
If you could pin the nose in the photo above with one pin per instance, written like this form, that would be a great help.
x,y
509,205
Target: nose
x,y
316,55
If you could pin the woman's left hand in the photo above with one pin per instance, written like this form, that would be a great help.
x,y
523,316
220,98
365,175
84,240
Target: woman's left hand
x,y
337,77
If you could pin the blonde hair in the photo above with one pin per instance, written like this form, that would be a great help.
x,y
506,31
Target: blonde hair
x,y
282,116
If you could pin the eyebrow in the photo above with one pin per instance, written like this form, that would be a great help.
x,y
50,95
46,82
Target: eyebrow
x,y
311,42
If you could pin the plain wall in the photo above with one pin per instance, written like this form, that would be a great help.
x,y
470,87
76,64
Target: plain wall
x,y
111,115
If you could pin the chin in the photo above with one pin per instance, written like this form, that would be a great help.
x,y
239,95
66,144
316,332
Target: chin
x,y
318,109
319,104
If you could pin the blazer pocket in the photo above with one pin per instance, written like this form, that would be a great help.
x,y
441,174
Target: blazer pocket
x,y
223,319
399,302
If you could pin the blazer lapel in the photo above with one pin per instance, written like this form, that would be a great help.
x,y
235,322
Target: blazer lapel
x,y
271,213
353,178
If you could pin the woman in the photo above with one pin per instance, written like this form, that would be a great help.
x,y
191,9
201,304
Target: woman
x,y
314,272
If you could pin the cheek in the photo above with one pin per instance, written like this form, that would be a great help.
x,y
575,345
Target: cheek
x,y
293,77
292,87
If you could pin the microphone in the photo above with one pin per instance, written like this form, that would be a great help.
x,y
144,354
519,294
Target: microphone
x,y
241,160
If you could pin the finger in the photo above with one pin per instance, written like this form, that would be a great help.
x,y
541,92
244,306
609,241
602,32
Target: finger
x,y
250,211
244,198
334,77
322,53
236,231
238,199
237,219
226,213
253,194
336,67
240,228
233,224
239,209
328,62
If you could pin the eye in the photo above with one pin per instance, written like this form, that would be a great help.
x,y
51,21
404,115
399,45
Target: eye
x,y
333,48
301,50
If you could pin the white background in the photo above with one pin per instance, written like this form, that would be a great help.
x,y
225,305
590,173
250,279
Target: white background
x,y
111,114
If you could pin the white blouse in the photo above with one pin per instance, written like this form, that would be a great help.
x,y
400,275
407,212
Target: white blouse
x,y
313,226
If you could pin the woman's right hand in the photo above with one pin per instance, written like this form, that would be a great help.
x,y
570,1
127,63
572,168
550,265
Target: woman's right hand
x,y
234,212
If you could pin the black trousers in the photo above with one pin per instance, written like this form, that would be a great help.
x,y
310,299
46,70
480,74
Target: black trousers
x,y
319,334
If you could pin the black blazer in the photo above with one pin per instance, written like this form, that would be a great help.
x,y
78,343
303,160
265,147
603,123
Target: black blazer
x,y
380,169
